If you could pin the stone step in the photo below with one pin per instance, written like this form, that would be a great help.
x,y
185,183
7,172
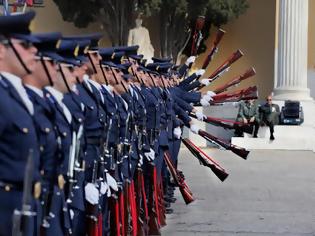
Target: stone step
x,y
287,138
279,143
286,131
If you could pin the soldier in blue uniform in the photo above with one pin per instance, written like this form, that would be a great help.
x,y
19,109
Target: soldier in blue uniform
x,y
16,120
44,75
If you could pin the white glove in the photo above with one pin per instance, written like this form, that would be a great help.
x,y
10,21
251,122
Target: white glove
x,y
235,104
200,115
71,214
200,72
109,193
177,132
103,188
207,97
211,93
204,102
111,182
273,109
91,193
205,82
140,162
194,128
190,60
150,155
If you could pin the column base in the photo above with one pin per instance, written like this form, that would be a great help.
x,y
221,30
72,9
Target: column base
x,y
302,94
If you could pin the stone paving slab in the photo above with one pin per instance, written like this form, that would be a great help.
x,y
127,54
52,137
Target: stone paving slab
x,y
272,193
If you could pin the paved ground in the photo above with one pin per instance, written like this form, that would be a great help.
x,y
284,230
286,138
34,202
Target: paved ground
x,y
272,193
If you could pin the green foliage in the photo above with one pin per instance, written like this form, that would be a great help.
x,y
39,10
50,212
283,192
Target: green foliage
x,y
176,17
80,12
217,12
149,7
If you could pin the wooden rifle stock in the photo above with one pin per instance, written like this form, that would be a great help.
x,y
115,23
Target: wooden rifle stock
x,y
233,58
214,48
226,124
92,210
141,204
234,82
236,96
154,218
242,152
205,160
197,36
183,188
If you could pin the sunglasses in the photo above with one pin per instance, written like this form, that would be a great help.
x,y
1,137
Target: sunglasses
x,y
53,62
69,66
24,44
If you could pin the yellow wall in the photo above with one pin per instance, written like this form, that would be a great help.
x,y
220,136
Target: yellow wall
x,y
254,34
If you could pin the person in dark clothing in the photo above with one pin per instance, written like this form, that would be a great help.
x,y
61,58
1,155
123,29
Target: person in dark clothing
x,y
270,115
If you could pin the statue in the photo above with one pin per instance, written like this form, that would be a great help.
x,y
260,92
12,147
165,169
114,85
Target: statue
x,y
140,36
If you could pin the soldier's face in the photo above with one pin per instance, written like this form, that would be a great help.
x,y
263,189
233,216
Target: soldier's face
x,y
95,59
80,71
118,74
28,54
68,71
51,66
109,75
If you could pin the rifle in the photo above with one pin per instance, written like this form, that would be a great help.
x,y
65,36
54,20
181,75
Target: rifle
x,y
179,180
214,49
92,210
234,82
224,67
154,218
242,152
205,160
70,173
197,37
236,96
142,209
22,219
226,124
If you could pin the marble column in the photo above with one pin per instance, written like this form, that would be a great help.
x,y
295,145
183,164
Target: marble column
x,y
291,79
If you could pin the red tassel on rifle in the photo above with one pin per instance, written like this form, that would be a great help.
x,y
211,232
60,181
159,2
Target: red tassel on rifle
x,y
161,201
100,224
122,212
144,198
133,209
155,194
117,222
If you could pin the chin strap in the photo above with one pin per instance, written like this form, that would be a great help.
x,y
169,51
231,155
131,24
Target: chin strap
x,y
64,78
103,73
46,71
19,57
94,67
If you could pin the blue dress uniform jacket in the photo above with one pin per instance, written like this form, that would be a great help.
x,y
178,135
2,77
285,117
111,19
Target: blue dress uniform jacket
x,y
47,137
77,109
48,146
93,126
190,97
64,130
182,70
185,83
16,130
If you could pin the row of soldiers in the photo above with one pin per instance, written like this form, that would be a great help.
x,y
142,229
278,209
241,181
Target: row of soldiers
x,y
84,131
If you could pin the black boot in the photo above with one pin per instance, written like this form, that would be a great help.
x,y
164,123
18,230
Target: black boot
x,y
272,137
